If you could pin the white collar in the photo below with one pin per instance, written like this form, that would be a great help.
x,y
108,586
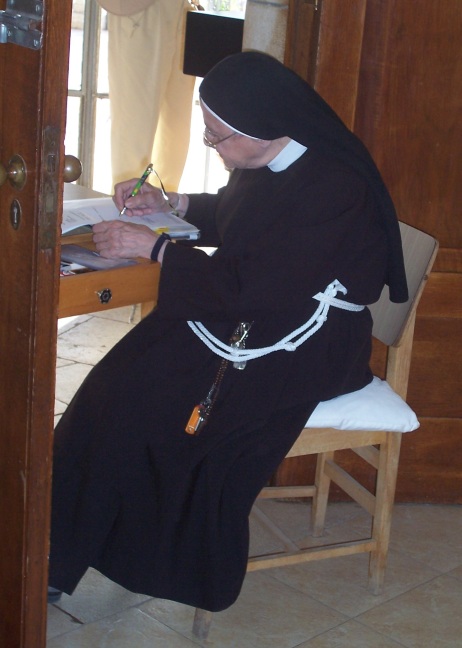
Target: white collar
x,y
291,152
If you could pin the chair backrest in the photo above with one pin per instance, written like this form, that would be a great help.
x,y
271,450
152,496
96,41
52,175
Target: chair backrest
x,y
390,319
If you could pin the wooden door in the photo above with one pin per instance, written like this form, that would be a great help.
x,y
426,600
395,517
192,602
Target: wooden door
x,y
33,89
392,70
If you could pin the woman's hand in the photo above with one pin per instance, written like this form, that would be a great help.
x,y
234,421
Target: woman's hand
x,y
149,199
120,240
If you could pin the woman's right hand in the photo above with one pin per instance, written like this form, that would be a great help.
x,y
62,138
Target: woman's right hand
x,y
149,199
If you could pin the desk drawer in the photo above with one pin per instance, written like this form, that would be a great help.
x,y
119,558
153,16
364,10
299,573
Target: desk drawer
x,y
83,293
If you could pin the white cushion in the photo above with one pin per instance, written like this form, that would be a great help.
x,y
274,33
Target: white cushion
x,y
375,407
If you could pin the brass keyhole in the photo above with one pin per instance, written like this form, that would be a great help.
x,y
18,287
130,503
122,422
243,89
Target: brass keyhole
x,y
15,214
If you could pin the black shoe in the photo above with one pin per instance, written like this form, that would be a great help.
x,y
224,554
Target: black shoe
x,y
53,595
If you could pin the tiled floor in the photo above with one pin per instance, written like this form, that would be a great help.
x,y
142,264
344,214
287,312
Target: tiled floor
x,y
317,605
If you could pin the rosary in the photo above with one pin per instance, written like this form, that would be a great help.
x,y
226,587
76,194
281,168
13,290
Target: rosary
x,y
201,413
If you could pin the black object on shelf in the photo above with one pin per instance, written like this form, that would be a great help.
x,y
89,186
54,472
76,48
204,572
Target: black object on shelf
x,y
209,39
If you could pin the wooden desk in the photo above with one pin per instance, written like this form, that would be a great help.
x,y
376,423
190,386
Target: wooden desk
x,y
99,290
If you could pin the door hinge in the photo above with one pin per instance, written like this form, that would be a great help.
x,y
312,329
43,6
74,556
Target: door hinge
x,y
20,22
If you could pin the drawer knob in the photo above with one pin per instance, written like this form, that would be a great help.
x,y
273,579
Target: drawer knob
x,y
105,295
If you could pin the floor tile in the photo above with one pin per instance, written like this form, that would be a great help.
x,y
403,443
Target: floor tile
x,y
343,522
90,340
457,572
294,517
351,635
130,629
63,362
428,533
428,616
66,323
60,407
58,622
96,597
127,314
342,583
68,380
267,614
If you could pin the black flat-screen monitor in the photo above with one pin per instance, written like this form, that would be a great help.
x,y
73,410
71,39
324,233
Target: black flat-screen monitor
x,y
210,38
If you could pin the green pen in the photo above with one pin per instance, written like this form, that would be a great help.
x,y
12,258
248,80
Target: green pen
x,y
138,185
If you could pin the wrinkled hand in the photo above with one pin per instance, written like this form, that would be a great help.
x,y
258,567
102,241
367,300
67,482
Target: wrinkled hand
x,y
120,240
149,199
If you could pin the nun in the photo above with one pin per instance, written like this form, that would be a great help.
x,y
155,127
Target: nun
x,y
165,446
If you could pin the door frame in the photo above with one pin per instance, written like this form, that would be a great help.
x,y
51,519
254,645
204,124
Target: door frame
x,y
32,116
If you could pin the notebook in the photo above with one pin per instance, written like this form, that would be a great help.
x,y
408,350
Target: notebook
x,y
87,212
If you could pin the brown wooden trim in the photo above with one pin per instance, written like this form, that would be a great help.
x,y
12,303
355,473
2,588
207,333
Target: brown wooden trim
x,y
434,382
428,472
52,101
390,70
448,260
302,37
35,82
341,34
442,297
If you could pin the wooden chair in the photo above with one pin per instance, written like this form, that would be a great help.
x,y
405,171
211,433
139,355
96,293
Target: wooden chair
x,y
370,422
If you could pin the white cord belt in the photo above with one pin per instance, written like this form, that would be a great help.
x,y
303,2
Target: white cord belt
x,y
289,342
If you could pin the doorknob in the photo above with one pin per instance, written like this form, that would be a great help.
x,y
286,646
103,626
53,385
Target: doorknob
x,y
72,168
16,171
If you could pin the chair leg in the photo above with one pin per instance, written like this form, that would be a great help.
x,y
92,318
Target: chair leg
x,y
385,496
201,625
320,499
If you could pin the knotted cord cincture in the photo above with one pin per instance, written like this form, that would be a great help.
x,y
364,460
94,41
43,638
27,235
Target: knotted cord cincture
x,y
290,342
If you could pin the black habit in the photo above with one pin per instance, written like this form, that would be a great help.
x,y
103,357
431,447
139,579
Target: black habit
x,y
165,513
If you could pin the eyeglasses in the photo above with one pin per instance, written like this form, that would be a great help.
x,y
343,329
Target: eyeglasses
x,y
208,142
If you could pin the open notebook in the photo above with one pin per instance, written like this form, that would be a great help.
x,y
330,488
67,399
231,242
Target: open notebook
x,y
79,213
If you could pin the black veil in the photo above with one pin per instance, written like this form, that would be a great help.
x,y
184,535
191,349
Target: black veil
x,y
257,95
